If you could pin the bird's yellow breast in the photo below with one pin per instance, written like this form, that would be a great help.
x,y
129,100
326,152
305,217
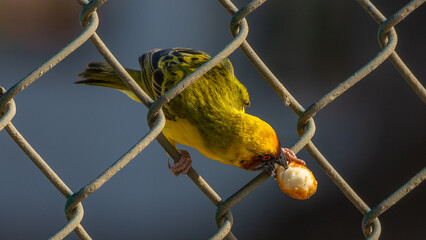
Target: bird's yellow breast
x,y
183,132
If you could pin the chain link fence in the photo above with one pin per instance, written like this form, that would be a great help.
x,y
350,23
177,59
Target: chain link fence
x,y
155,118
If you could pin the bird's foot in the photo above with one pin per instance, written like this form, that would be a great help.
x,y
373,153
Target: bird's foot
x,y
291,157
183,165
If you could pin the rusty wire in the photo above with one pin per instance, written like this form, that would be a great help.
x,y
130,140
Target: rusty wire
x,y
155,118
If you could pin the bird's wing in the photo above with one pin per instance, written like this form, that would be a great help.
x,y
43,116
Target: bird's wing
x,y
162,69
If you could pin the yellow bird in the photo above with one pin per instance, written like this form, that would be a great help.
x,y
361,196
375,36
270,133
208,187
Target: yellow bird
x,y
208,115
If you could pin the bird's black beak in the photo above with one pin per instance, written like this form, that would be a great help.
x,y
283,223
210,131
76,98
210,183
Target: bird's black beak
x,y
282,160
271,165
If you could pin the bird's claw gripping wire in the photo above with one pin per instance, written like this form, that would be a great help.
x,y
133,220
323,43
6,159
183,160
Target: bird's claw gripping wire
x,y
183,165
290,156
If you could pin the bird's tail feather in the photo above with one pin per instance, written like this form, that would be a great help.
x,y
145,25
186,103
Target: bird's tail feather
x,y
102,74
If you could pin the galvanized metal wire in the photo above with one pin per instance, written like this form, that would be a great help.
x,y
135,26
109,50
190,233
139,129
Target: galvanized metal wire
x,y
155,118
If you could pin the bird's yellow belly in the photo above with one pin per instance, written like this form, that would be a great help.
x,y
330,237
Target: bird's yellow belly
x,y
183,132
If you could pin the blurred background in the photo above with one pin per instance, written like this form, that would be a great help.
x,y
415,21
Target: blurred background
x,y
374,134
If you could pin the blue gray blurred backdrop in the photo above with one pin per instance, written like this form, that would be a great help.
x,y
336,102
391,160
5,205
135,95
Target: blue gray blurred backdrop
x,y
374,134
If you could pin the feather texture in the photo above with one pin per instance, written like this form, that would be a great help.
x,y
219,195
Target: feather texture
x,y
208,115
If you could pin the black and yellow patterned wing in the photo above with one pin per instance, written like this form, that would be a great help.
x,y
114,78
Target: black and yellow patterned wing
x,y
164,68
161,69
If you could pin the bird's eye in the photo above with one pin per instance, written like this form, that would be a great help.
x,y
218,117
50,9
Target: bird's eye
x,y
266,158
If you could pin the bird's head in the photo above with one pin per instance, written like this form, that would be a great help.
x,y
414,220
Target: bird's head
x,y
261,148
